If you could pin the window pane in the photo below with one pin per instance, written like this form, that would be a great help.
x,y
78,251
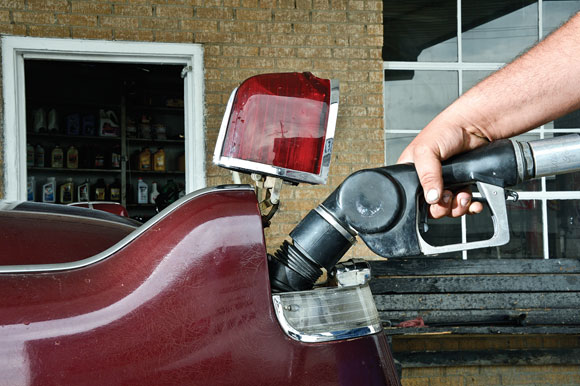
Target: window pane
x,y
413,98
395,144
471,78
441,232
498,30
564,228
419,30
525,222
555,13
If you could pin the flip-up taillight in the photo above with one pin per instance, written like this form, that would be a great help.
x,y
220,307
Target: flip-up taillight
x,y
345,311
280,125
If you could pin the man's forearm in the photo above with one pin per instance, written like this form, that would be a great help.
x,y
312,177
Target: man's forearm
x,y
536,88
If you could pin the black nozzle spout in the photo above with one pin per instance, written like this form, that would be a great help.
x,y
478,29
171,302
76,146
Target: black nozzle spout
x,y
318,242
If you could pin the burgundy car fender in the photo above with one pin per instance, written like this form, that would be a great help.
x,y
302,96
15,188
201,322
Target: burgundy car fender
x,y
183,300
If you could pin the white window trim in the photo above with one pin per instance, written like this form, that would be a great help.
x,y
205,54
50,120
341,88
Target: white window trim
x,y
459,65
16,49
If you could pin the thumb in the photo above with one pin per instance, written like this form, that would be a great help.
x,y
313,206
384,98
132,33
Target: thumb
x,y
428,166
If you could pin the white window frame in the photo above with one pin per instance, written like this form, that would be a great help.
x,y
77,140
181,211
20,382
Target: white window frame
x,y
15,50
543,195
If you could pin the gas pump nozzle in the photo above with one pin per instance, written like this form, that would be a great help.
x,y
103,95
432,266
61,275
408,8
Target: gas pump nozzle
x,y
383,207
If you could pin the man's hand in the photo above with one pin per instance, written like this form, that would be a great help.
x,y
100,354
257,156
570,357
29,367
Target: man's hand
x,y
437,142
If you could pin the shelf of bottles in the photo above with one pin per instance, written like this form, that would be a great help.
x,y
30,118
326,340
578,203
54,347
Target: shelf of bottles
x,y
123,161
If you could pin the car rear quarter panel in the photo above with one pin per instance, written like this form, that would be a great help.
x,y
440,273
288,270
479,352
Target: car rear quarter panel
x,y
187,302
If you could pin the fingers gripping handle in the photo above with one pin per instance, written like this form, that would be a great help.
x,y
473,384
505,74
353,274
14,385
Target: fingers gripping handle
x,y
495,197
502,164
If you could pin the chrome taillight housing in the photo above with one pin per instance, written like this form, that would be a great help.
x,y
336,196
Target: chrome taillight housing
x,y
344,311
280,125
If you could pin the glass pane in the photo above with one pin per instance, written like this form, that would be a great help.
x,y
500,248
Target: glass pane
x,y
394,146
419,30
471,78
413,98
498,30
525,223
441,232
564,228
556,12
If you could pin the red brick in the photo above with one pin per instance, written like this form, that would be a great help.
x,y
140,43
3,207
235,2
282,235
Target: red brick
x,y
254,14
199,25
308,28
4,16
173,36
132,10
34,17
133,34
119,22
13,4
238,26
256,63
278,52
176,12
13,29
48,5
240,51
91,33
291,15
321,4
49,31
329,17
158,23
77,20
314,53
91,8
214,13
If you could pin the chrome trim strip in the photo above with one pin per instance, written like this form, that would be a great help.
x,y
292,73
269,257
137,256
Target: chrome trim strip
x,y
326,215
125,241
320,337
72,216
224,128
251,166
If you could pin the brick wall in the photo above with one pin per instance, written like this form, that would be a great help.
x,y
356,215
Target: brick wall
x,y
339,39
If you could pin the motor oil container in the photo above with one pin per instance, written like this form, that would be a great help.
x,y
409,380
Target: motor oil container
x,y
154,193
115,191
56,157
31,189
99,161
49,190
83,191
29,155
159,160
145,159
39,156
100,190
67,191
72,158
116,158
142,192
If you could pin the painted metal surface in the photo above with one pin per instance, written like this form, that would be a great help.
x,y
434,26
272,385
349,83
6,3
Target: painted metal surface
x,y
42,238
187,302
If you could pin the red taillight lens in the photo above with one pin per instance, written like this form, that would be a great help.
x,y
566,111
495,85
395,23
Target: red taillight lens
x,y
279,120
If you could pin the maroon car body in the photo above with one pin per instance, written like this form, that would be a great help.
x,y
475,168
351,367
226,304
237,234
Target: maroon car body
x,y
183,300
